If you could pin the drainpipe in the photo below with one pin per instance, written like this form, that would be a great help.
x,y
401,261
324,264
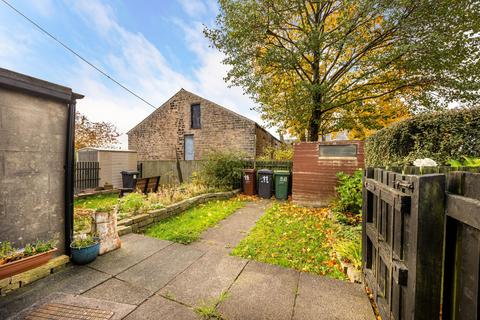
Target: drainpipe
x,y
69,172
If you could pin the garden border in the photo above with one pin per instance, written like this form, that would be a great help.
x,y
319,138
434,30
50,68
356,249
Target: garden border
x,y
141,222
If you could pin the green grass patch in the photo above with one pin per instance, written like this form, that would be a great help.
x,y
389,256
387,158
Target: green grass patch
x,y
187,227
97,201
294,237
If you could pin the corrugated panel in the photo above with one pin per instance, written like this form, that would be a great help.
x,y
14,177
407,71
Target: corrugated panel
x,y
314,178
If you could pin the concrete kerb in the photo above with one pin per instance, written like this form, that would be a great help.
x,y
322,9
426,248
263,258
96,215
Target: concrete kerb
x,y
142,221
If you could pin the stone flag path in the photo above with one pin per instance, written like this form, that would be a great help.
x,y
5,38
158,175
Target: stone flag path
x,y
154,279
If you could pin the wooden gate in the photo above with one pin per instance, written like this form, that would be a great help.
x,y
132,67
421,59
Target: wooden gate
x,y
462,247
403,227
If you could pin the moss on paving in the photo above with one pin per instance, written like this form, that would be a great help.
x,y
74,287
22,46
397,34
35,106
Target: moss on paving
x,y
188,226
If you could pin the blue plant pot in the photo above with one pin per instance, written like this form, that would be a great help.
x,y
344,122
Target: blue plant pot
x,y
85,255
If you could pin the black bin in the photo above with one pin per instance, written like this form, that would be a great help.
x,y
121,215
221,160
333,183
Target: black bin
x,y
265,183
129,179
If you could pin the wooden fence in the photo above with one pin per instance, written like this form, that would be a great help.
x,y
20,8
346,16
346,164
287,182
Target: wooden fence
x,y
167,169
413,225
87,175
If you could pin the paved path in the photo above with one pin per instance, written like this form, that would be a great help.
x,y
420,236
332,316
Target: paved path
x,y
155,279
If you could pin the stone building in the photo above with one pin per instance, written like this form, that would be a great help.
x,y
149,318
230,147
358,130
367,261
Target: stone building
x,y
189,126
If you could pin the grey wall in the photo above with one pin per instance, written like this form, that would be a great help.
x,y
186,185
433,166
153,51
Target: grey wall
x,y
32,158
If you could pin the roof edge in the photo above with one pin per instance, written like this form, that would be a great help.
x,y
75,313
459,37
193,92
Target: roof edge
x,y
21,82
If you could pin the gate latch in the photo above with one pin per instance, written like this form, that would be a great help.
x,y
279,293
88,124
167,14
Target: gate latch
x,y
400,273
403,184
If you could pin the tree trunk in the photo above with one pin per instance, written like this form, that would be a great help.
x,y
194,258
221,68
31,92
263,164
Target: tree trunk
x,y
314,125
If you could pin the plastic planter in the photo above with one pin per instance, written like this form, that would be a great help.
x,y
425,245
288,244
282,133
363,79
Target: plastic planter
x,y
86,254
15,267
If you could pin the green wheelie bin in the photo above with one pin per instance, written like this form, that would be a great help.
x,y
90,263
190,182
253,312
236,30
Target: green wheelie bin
x,y
282,182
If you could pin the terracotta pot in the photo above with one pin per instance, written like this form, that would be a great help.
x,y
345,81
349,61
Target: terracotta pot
x,y
15,267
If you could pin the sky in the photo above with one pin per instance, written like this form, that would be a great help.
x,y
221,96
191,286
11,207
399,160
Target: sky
x,y
153,47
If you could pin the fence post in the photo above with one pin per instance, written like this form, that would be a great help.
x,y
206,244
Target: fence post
x,y
428,209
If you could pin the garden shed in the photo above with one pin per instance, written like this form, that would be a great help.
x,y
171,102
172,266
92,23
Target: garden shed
x,y
111,162
36,160
316,164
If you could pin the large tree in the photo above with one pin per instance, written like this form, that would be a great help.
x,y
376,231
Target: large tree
x,y
94,134
314,64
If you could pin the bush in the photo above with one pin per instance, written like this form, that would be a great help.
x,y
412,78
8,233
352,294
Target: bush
x,y
222,169
131,203
349,195
441,136
283,153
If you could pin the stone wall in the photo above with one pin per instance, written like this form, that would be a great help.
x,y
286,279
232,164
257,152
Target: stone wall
x,y
161,134
32,159
141,222
264,140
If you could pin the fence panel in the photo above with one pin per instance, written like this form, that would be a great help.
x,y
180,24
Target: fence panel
x,y
462,247
403,221
87,175
167,169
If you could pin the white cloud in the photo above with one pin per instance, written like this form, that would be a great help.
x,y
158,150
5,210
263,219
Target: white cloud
x,y
133,60
193,8
44,7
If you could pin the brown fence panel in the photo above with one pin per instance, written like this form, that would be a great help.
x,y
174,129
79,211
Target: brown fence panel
x,y
462,247
403,221
87,175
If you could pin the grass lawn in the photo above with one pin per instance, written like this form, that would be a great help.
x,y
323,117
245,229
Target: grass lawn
x,y
188,226
295,237
97,201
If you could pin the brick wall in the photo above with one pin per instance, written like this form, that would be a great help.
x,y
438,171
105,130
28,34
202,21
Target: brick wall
x,y
162,133
314,177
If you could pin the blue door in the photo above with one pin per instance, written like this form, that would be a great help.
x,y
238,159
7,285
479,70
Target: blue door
x,y
189,148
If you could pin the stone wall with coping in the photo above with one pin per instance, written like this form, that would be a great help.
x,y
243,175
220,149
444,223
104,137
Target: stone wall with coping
x,y
141,222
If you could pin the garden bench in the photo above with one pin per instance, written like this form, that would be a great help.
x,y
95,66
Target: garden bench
x,y
144,185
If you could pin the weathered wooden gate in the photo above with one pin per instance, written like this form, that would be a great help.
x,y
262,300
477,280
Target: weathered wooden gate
x,y
462,247
403,228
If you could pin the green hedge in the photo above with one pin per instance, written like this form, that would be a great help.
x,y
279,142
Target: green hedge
x,y
441,136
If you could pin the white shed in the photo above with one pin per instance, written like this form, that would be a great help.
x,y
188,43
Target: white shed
x,y
111,163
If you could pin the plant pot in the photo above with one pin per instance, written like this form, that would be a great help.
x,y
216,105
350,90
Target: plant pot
x,y
15,267
86,254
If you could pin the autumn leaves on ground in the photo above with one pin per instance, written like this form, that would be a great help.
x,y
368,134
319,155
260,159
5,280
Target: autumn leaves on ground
x,y
305,239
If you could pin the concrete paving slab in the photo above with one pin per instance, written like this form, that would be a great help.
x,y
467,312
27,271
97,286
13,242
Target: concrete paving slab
x,y
119,291
119,310
229,232
325,298
135,248
262,291
74,280
205,280
156,271
158,307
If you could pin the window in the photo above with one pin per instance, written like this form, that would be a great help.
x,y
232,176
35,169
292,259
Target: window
x,y
195,114
337,151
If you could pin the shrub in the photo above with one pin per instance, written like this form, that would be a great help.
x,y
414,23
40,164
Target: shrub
x,y
349,193
222,169
283,153
132,202
440,136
